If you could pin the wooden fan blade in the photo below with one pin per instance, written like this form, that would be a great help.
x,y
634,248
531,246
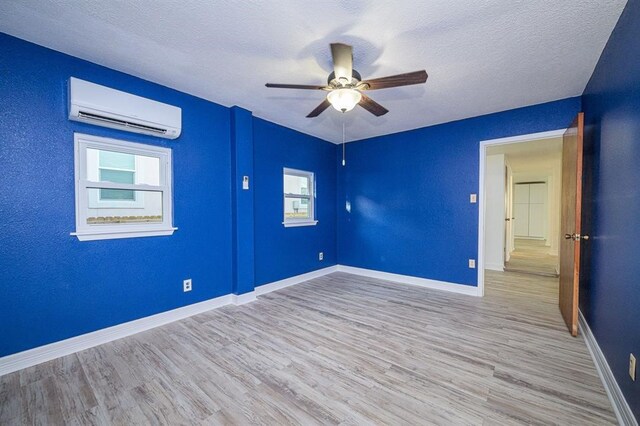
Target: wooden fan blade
x,y
342,55
416,77
372,106
295,86
316,112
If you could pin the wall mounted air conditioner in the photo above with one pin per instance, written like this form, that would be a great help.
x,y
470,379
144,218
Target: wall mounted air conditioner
x,y
103,106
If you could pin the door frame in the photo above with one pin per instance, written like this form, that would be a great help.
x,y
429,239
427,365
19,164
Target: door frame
x,y
484,144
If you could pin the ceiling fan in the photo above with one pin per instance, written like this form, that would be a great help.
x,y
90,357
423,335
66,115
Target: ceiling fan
x,y
345,85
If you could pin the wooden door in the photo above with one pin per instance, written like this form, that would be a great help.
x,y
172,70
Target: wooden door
x,y
572,146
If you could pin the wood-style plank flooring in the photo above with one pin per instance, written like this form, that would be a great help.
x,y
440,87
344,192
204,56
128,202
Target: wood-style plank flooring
x,y
340,349
532,257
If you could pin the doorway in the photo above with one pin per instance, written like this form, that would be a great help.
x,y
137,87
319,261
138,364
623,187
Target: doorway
x,y
520,203
535,206
564,198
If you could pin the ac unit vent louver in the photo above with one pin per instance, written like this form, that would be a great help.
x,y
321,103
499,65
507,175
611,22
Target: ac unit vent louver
x,y
95,117
103,106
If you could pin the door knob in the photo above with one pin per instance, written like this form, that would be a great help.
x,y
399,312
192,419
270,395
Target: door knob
x,y
507,219
575,237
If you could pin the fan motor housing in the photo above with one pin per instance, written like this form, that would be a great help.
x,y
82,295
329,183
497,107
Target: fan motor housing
x,y
334,82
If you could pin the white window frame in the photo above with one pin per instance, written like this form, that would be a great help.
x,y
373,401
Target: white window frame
x,y
292,221
87,232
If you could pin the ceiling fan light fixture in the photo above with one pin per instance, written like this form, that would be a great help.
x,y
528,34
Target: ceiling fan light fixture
x,y
344,99
344,84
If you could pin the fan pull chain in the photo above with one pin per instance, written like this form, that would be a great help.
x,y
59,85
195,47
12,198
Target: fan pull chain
x,y
343,143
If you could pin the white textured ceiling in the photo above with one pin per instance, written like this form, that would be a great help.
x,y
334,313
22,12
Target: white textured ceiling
x,y
482,56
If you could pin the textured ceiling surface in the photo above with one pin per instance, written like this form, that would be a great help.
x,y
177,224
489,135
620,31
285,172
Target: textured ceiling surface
x,y
482,56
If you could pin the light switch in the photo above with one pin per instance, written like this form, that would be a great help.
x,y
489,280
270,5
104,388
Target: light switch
x,y
473,198
472,263
245,182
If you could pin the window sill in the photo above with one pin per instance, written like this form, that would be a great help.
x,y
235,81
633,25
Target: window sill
x,y
300,223
131,233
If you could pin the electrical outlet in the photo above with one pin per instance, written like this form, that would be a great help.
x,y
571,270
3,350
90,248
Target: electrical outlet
x,y
472,263
186,285
632,367
473,198
321,256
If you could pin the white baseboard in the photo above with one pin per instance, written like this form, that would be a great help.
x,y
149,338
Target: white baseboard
x,y
408,279
241,299
277,285
620,406
494,266
31,357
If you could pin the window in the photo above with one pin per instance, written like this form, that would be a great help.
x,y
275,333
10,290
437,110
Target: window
x,y
123,189
120,168
299,198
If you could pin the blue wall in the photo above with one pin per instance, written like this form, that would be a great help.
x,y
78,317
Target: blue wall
x,y
243,201
54,286
283,252
409,193
610,297
408,196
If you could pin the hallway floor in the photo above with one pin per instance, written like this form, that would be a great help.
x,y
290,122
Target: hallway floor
x,y
532,257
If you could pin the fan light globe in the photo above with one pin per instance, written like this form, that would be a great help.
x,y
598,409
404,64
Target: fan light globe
x,y
344,99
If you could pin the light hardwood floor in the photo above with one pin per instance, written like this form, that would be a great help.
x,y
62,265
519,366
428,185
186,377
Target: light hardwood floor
x,y
340,349
532,257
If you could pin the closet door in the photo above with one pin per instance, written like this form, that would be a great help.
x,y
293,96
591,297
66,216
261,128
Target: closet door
x,y
537,209
521,210
538,193
521,194
521,214
537,213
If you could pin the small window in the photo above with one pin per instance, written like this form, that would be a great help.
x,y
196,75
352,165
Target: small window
x,y
123,189
299,198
